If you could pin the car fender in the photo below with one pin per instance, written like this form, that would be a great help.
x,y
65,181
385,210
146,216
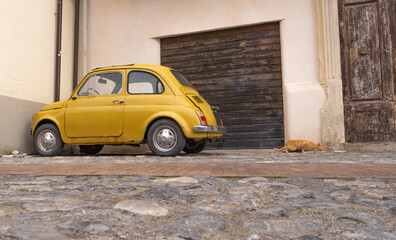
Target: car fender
x,y
51,116
185,127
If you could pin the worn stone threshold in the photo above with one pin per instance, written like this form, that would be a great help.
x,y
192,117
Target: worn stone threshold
x,y
308,170
370,147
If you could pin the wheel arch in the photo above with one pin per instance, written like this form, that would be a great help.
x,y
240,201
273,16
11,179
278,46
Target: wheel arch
x,y
42,122
51,121
185,121
54,129
161,118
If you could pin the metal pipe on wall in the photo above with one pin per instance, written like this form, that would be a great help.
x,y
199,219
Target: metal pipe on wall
x,y
76,38
85,37
58,51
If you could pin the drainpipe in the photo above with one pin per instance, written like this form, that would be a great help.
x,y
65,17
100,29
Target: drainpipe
x,y
58,50
85,36
76,38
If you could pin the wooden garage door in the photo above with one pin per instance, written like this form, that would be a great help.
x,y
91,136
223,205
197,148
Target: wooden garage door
x,y
238,70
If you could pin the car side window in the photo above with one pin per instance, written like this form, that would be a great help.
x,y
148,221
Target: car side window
x,y
102,84
144,83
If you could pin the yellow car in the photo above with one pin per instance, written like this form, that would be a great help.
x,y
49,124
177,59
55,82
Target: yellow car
x,y
130,104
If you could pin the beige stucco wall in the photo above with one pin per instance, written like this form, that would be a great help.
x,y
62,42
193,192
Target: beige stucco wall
x,y
128,31
27,65
66,86
27,43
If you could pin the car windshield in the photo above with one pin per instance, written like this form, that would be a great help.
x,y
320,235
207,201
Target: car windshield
x,y
181,79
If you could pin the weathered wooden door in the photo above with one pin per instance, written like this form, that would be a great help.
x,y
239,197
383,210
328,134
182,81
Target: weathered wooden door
x,y
367,69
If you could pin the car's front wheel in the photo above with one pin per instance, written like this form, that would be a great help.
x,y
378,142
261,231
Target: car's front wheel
x,y
47,140
165,138
193,146
91,149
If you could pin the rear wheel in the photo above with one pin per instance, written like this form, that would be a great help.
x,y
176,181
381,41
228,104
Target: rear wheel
x,y
91,149
47,140
193,146
165,138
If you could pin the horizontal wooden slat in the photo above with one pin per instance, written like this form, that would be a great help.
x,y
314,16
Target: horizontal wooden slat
x,y
231,91
223,35
232,65
200,75
261,134
264,78
255,87
265,51
270,58
238,70
254,115
243,98
253,120
252,106
256,127
218,37
256,44
252,143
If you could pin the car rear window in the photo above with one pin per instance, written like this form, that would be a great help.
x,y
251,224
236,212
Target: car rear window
x,y
182,80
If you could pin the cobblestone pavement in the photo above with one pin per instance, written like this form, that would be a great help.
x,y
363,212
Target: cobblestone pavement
x,y
198,207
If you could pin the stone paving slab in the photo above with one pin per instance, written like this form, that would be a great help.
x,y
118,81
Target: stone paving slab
x,y
310,170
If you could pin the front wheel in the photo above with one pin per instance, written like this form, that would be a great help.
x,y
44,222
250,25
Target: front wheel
x,y
193,146
47,140
91,149
165,138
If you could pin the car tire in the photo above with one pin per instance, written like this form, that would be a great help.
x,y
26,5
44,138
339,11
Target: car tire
x,y
193,146
47,140
90,149
165,138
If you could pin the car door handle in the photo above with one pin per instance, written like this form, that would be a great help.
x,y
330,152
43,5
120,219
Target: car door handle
x,y
118,101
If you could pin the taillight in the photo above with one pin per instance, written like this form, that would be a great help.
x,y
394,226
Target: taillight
x,y
201,118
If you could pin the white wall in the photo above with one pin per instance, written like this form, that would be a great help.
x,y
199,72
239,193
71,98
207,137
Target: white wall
x,y
66,85
127,31
27,49
27,65
27,45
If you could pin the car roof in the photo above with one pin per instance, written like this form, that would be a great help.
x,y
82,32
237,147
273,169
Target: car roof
x,y
149,66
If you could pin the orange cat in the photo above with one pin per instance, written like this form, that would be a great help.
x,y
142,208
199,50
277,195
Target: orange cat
x,y
300,145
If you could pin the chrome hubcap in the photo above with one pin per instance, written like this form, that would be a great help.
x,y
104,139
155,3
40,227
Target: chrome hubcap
x,y
164,139
46,141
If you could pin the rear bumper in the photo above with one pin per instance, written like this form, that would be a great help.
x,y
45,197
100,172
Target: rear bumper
x,y
210,129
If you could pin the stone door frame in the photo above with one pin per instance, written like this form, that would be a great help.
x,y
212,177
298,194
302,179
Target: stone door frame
x,y
329,65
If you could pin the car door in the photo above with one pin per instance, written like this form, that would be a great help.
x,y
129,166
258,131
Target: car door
x,y
96,108
147,96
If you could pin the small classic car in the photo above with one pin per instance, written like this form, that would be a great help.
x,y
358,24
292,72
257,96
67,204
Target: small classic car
x,y
129,104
